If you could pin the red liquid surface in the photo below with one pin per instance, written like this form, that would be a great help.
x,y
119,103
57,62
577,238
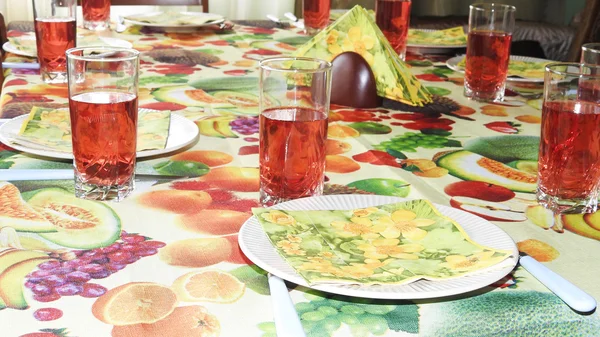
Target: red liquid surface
x,y
393,18
316,13
95,10
53,37
487,62
569,159
292,151
104,126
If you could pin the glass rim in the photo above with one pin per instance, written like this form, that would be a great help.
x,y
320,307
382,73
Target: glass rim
x,y
483,6
264,64
134,54
550,68
592,47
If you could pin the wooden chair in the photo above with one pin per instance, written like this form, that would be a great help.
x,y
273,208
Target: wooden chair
x,y
588,30
3,39
203,3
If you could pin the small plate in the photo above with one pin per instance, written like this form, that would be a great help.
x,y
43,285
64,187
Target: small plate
x,y
217,19
453,62
256,246
108,41
182,132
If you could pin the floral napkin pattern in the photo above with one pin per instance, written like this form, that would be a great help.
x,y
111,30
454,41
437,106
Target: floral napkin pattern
x,y
388,244
52,128
356,31
447,37
525,69
175,18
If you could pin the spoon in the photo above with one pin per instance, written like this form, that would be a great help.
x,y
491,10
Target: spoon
x,y
120,25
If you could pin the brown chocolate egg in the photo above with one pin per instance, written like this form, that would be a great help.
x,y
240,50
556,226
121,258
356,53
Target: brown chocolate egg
x,y
353,82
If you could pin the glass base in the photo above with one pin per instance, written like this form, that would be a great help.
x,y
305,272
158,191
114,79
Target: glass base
x,y
312,31
497,96
117,193
267,200
96,25
567,206
54,77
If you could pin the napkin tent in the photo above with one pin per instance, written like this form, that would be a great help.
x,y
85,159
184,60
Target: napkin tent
x,y
356,31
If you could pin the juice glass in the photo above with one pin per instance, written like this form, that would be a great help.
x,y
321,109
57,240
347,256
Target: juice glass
x,y
96,14
488,50
55,32
294,109
590,53
103,100
393,18
569,158
316,15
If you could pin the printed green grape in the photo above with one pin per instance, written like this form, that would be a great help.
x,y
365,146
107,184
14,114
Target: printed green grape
x,y
312,316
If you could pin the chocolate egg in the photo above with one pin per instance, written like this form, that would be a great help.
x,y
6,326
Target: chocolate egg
x,y
353,82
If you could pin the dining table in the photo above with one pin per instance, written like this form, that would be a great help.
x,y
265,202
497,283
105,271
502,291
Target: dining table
x,y
168,262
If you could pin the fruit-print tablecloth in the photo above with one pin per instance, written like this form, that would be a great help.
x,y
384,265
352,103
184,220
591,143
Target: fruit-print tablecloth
x,y
166,262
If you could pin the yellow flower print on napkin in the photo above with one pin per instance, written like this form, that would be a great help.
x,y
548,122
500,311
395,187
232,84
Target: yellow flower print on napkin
x,y
388,244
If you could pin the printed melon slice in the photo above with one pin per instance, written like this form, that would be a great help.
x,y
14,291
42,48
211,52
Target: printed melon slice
x,y
16,213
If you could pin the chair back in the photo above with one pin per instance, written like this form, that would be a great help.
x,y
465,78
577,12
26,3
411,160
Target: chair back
x,y
588,30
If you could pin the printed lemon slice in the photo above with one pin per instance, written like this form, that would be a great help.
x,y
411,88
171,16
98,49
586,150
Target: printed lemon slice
x,y
136,302
208,285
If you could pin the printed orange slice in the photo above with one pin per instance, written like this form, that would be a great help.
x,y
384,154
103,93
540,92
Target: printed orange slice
x,y
208,285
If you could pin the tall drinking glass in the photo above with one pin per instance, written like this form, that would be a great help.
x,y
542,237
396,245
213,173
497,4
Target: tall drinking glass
x,y
55,32
569,158
590,53
103,103
96,14
294,109
316,15
488,50
393,18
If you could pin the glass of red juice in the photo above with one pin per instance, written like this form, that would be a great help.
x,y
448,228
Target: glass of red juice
x,y
590,53
103,104
55,32
294,110
316,15
569,157
488,50
393,18
96,14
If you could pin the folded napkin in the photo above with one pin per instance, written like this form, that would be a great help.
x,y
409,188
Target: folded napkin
x,y
526,69
51,128
356,31
175,18
448,37
27,42
389,244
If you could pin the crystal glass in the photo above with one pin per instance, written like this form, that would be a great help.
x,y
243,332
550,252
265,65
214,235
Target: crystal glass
x,y
393,18
96,14
590,53
316,15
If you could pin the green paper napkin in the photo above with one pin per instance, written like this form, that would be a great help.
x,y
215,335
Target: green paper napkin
x,y
356,31
448,37
175,18
52,128
526,69
389,244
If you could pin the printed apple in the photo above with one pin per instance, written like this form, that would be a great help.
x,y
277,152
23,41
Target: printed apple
x,y
479,190
493,211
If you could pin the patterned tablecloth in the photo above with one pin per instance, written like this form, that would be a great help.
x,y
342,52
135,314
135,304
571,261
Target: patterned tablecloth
x,y
166,261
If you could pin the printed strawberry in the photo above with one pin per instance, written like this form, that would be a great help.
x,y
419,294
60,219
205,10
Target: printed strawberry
x,y
504,127
48,333
431,78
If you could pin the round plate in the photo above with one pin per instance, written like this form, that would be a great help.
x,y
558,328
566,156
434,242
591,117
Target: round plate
x,y
108,41
182,132
432,48
257,247
452,63
218,19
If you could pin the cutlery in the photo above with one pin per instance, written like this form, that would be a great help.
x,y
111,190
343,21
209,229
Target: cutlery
x,y
14,65
120,25
287,322
65,174
294,19
275,19
574,297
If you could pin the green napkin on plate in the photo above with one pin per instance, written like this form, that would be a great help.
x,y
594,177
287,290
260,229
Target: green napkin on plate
x,y
52,128
525,69
356,31
447,37
175,18
389,244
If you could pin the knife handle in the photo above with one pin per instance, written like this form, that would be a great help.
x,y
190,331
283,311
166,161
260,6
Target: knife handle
x,y
565,290
287,322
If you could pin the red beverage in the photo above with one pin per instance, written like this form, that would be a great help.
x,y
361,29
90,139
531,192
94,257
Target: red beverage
x,y
96,10
393,18
316,14
292,151
104,126
486,66
569,159
53,37
589,90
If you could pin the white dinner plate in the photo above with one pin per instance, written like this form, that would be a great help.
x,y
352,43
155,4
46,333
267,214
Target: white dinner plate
x,y
182,132
432,48
452,63
217,19
257,247
108,41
